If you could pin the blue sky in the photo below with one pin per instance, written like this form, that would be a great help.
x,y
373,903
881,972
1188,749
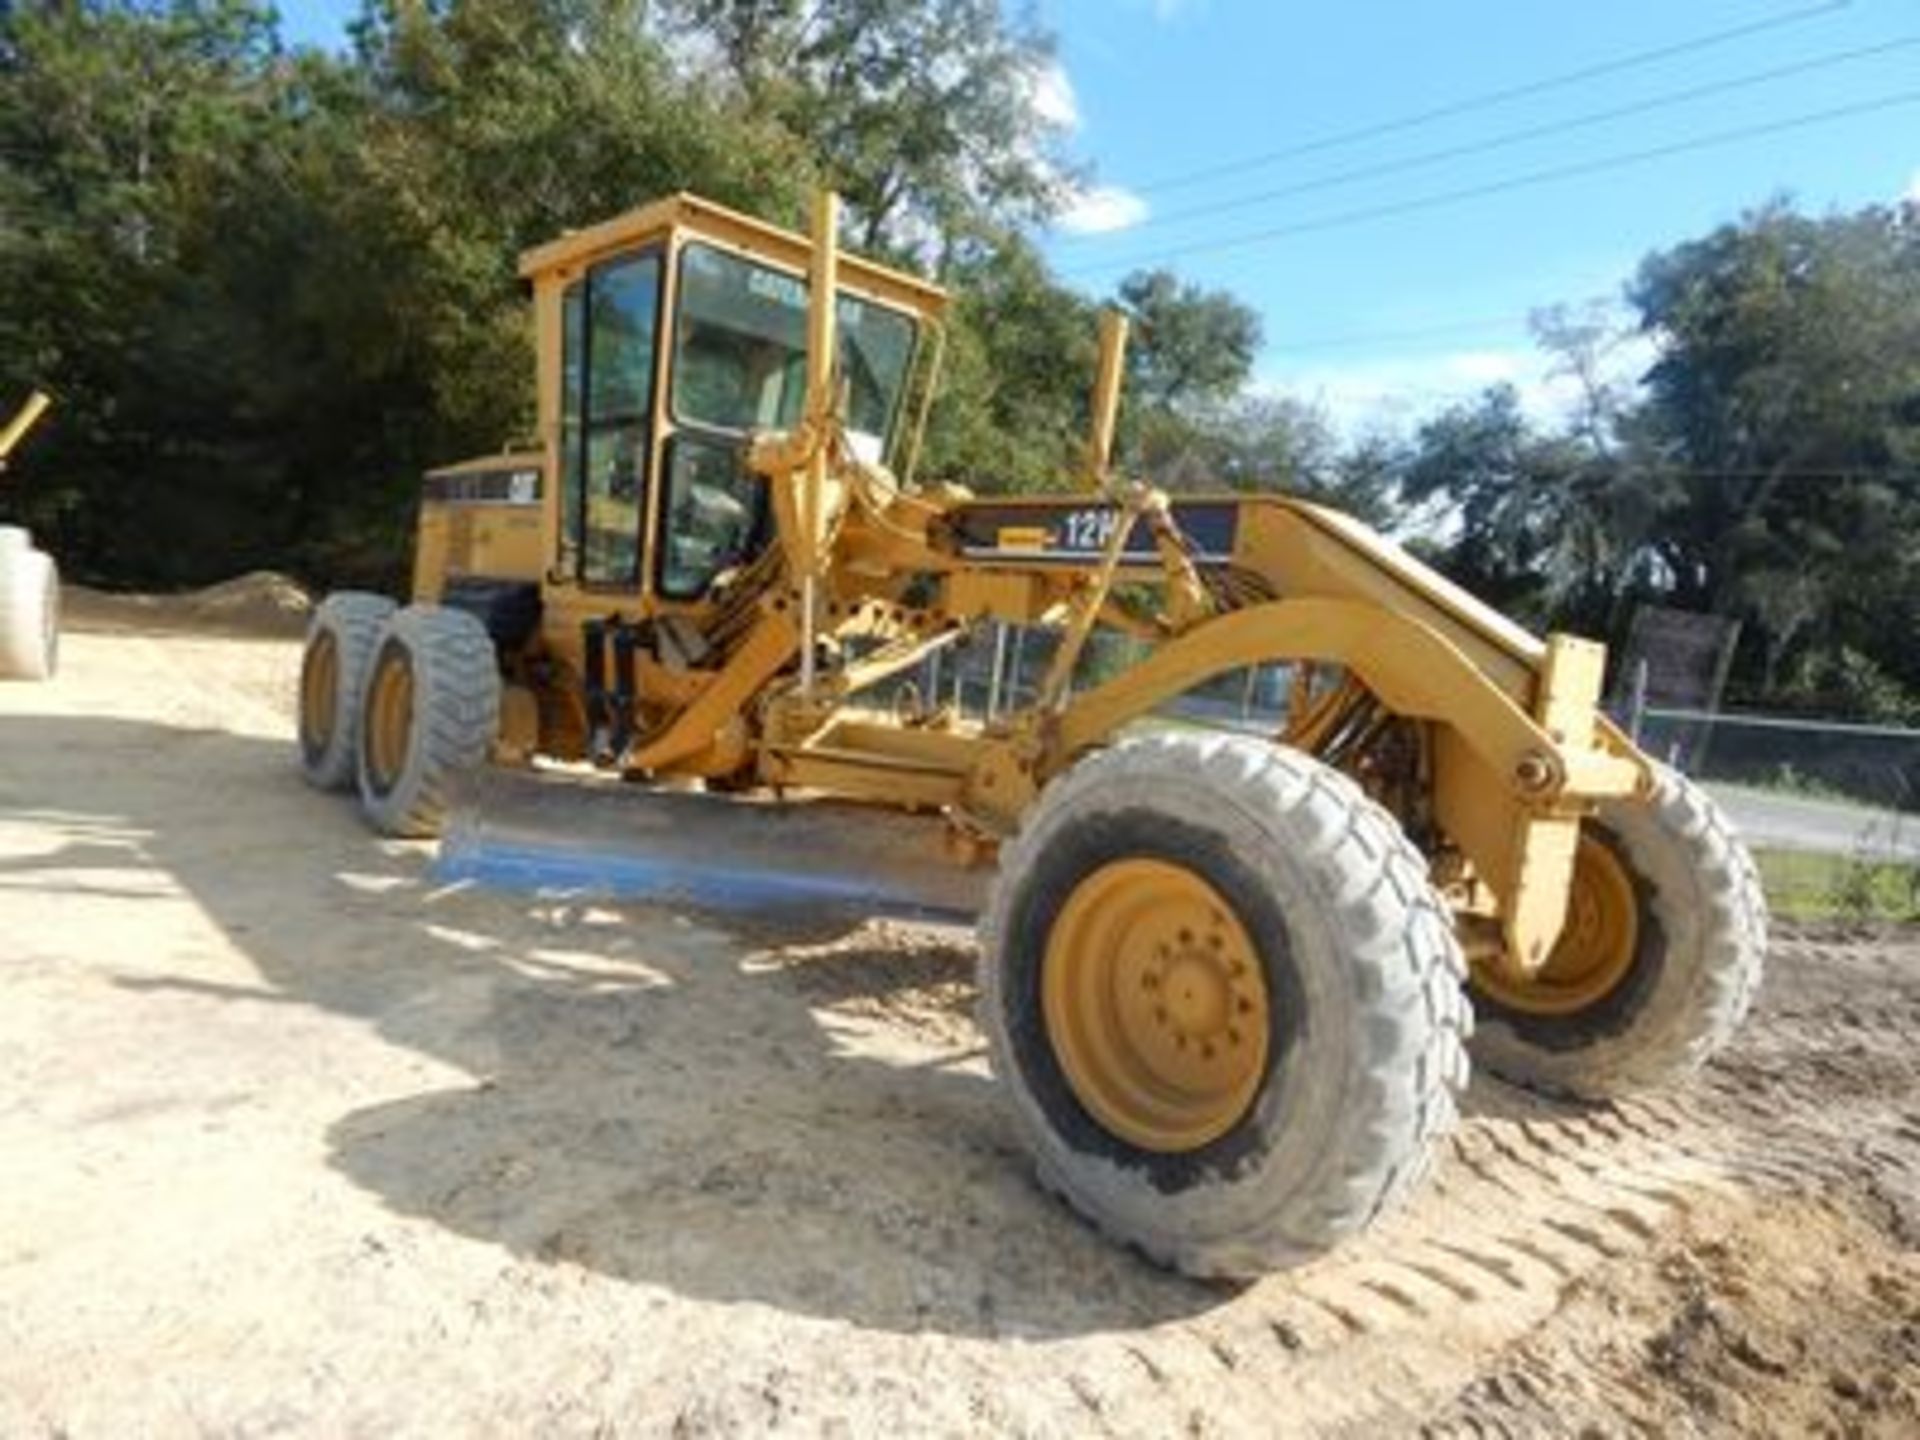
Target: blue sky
x,y
1382,319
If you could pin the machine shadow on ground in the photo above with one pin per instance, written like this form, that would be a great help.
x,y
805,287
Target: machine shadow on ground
x,y
720,1110
725,1109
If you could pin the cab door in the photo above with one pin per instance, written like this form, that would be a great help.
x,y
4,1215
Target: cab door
x,y
609,361
738,366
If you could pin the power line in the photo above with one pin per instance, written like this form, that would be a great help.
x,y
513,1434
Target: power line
x,y
1509,138
1499,187
1855,472
1492,98
1388,337
1429,331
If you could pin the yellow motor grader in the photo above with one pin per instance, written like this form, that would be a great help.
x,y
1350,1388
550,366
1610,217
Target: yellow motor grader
x,y
1227,979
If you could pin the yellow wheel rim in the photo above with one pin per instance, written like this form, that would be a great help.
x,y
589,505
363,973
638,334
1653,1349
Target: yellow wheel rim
x,y
1156,1005
319,691
1595,950
389,722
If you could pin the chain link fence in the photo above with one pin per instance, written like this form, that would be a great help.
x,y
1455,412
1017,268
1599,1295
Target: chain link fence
x,y
998,669
1807,787
1791,782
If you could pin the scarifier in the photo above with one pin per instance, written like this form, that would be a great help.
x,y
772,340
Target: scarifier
x,y
1226,979
29,579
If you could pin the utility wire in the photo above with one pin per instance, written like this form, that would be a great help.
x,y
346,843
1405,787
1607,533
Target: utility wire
x,y
1854,472
1525,181
1492,98
1422,332
1509,138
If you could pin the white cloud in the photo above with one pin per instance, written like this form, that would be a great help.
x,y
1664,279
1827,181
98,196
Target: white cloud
x,y
1101,210
1912,197
1401,391
1483,367
1053,97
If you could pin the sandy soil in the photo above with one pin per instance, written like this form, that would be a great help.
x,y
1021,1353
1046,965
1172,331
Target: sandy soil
x,y
260,604
295,1140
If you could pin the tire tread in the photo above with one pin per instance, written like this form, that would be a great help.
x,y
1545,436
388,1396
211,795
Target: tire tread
x,y
456,680
1408,978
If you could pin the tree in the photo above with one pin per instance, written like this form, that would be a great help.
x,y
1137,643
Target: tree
x,y
926,114
269,288
1190,346
1786,404
1540,523
1013,414
1768,469
1189,355
123,133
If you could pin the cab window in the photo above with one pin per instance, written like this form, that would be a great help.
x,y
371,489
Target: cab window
x,y
740,365
608,325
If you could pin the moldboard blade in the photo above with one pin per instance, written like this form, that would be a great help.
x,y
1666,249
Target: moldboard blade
x,y
559,832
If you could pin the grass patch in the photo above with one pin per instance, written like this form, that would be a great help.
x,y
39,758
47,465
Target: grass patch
x,y
1802,885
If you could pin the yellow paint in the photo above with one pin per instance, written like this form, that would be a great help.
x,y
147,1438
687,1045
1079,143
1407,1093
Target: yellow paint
x,y
1022,537
388,722
1156,1004
319,690
24,420
1595,951
1106,396
1516,750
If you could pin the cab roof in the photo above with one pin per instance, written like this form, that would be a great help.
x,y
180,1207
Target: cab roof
x,y
576,249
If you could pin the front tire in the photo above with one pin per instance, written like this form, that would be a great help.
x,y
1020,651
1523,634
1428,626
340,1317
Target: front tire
x,y
333,677
1223,1000
1666,935
430,713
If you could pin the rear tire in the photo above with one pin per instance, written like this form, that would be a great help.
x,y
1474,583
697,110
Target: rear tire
x,y
29,613
1354,971
333,675
430,713
1690,965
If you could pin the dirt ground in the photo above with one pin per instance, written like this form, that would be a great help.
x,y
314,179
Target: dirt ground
x,y
294,1139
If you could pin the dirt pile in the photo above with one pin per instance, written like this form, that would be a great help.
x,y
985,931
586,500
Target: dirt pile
x,y
259,603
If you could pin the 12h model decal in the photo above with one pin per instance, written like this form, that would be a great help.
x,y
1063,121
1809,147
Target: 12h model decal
x,y
1075,534
1089,529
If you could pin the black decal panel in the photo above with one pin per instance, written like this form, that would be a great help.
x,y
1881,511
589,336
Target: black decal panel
x,y
1079,531
508,485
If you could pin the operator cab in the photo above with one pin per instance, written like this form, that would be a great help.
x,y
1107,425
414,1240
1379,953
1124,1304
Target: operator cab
x,y
667,338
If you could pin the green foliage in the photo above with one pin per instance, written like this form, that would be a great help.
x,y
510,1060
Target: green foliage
x,y
1546,523
1020,357
269,287
1850,683
492,125
1190,346
1787,398
921,112
1802,885
1770,471
1190,422
128,139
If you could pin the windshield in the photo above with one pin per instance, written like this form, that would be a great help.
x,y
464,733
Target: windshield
x,y
740,353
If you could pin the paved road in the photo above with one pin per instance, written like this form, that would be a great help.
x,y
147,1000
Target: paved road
x,y
1797,822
